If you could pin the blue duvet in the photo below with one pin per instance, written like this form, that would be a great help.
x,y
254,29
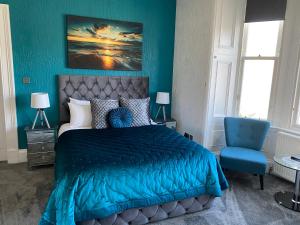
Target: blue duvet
x,y
102,172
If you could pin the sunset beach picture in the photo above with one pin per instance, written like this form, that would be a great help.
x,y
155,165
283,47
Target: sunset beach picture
x,y
104,44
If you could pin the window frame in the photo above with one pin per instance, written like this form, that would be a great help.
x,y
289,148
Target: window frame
x,y
243,58
295,111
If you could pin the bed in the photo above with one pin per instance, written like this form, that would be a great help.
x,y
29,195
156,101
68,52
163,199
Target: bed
x,y
132,175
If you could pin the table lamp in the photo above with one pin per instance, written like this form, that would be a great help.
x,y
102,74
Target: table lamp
x,y
163,99
40,101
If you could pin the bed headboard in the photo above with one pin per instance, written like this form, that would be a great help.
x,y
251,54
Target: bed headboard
x,y
104,87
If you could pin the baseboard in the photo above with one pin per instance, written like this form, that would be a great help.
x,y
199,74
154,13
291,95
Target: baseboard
x,y
22,155
3,155
16,156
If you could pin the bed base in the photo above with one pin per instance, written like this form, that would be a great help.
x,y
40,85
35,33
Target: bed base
x,y
139,216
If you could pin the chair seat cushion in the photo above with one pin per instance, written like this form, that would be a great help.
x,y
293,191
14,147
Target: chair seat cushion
x,y
243,160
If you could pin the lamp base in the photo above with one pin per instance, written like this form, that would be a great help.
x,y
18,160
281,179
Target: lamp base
x,y
164,112
42,114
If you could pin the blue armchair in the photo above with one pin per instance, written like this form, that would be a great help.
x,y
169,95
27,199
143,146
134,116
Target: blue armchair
x,y
244,140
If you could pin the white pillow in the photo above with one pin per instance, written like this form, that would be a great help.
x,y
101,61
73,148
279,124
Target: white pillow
x,y
79,102
80,115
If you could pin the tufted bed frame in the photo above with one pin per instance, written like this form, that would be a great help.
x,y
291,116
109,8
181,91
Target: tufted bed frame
x,y
104,87
112,87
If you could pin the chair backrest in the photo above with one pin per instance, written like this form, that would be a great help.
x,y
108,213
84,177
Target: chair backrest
x,y
245,133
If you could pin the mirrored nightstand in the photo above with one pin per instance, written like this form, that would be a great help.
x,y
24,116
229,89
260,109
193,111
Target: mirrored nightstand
x,y
40,146
170,123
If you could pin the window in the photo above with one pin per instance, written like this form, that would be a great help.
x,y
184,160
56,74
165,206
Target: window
x,y
259,58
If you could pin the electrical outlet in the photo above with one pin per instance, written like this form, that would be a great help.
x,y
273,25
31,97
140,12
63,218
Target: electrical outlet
x,y
188,136
26,80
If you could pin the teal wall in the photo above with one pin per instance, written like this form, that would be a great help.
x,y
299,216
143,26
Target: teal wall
x,y
39,46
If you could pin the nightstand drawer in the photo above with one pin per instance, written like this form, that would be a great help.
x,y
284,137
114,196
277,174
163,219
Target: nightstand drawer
x,y
41,147
40,136
35,159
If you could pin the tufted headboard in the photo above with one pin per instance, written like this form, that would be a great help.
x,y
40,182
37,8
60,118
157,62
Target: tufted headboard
x,y
104,87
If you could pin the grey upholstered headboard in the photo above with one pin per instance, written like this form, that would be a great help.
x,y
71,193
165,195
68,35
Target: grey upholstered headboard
x,y
104,87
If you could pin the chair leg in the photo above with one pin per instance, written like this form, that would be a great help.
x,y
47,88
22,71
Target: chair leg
x,y
261,179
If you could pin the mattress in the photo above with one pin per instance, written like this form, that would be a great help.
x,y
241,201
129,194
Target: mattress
x,y
103,172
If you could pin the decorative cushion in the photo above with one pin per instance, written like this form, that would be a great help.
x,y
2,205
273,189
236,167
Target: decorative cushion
x,y
80,115
120,117
140,109
243,160
79,102
100,109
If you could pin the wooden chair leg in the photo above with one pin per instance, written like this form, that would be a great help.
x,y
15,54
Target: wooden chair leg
x,y
261,179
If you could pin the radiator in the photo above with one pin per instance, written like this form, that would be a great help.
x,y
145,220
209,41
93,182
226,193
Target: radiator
x,y
286,144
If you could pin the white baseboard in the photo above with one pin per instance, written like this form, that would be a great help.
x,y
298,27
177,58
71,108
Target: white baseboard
x,y
3,155
22,155
16,156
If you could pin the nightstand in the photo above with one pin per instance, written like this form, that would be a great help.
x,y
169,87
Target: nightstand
x,y
40,146
170,123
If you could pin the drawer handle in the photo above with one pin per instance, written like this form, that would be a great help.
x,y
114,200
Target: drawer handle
x,y
43,147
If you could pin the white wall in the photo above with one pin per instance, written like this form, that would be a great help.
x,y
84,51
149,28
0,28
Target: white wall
x,y
288,67
281,113
193,41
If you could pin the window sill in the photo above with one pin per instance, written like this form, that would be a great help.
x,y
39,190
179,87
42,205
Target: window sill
x,y
289,131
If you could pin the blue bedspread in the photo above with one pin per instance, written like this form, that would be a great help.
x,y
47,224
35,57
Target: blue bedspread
x,y
101,172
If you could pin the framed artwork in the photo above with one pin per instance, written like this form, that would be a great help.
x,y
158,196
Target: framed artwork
x,y
104,44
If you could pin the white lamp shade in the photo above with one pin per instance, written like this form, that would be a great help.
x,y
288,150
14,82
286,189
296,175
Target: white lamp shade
x,y
163,98
40,100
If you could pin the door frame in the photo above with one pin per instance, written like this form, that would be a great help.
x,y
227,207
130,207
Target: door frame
x,y
7,87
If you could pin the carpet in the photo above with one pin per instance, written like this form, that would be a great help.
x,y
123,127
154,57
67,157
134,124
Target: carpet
x,y
23,195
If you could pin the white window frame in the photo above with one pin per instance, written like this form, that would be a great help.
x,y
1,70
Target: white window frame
x,y
296,101
240,74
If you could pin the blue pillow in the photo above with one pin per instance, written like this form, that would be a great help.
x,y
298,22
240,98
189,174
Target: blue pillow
x,y
120,117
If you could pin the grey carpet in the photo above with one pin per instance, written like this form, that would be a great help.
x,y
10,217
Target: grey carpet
x,y
24,193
